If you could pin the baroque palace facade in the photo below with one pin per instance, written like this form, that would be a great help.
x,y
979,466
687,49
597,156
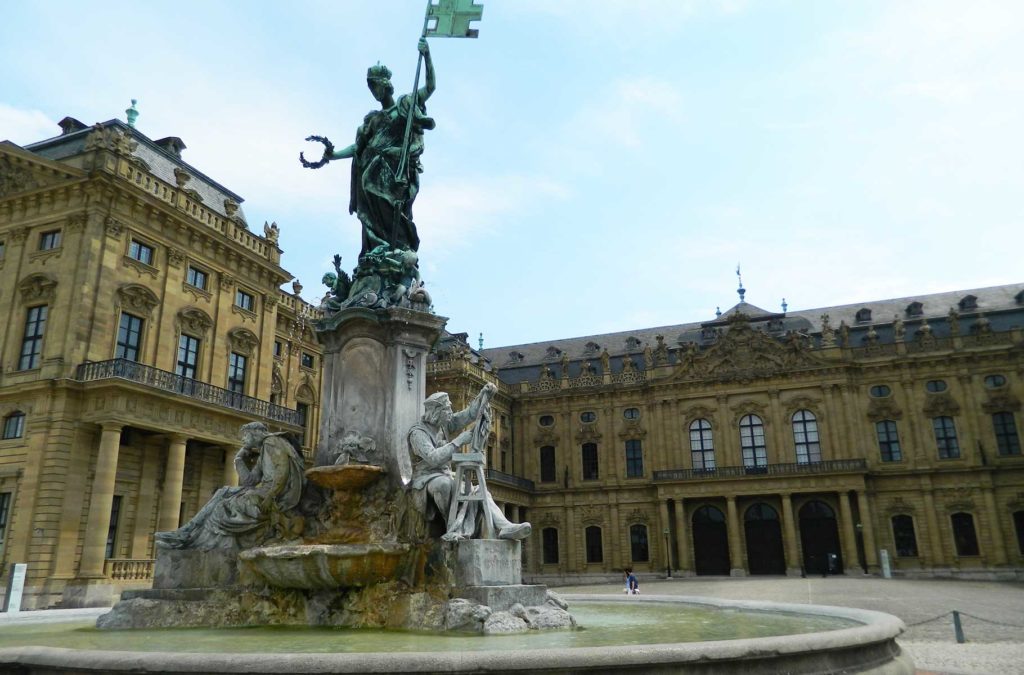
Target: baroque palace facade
x,y
145,324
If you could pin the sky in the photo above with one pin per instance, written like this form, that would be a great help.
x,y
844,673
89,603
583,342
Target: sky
x,y
598,165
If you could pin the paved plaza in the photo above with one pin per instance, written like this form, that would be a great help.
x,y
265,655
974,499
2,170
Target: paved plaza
x,y
992,612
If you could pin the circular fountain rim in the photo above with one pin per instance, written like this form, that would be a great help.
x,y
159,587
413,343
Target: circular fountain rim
x,y
874,638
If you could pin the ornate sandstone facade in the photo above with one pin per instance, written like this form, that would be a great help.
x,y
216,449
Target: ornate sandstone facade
x,y
144,323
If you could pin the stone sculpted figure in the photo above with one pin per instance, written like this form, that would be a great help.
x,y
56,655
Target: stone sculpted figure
x,y
270,481
431,444
383,191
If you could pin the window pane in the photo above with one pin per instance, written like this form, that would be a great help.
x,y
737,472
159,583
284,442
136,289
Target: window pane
x,y
634,459
1007,441
805,436
236,373
14,425
702,447
639,550
904,537
550,540
115,516
964,535
5,512
888,441
590,469
945,437
547,464
32,343
595,553
188,356
129,337
196,278
755,454
141,252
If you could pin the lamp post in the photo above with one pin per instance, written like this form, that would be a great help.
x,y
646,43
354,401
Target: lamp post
x,y
668,556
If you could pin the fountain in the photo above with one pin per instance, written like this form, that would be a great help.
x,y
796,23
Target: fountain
x,y
274,574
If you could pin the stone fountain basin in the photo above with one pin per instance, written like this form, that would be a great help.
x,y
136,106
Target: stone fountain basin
x,y
313,566
347,477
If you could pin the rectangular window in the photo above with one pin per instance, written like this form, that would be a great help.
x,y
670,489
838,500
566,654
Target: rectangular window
x,y
590,470
303,410
49,240
752,442
1007,441
236,373
141,252
306,360
945,437
32,343
14,425
244,300
1,250
550,538
129,337
115,516
903,536
888,441
277,348
5,513
196,277
547,464
188,356
634,459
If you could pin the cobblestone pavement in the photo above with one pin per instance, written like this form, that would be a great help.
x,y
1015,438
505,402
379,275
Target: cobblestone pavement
x,y
992,613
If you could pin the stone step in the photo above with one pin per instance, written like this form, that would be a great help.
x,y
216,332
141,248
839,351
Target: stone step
x,y
500,598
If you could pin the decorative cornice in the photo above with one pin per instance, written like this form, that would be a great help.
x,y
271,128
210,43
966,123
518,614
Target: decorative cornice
x,y
883,409
37,287
194,320
137,299
941,405
243,341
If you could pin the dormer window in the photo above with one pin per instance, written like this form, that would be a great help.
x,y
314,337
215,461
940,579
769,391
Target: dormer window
x,y
632,343
515,357
915,309
591,348
863,315
968,303
553,353
1019,298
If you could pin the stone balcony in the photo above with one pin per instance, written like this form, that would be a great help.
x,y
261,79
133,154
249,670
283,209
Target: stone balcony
x,y
731,472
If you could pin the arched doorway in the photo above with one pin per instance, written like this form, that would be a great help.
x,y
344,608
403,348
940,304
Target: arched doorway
x,y
710,542
819,536
764,540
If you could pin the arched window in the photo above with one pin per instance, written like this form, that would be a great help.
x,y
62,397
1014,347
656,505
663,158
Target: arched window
x,y
755,454
547,464
761,511
888,441
14,425
1007,441
945,437
639,551
805,435
903,536
589,453
817,509
549,537
964,535
595,552
702,445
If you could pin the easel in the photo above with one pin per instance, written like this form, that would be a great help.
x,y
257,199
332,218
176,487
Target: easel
x,y
470,465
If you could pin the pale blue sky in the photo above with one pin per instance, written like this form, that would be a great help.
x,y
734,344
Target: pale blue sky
x,y
597,166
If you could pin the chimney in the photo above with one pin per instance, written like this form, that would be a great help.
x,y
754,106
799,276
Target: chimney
x,y
70,125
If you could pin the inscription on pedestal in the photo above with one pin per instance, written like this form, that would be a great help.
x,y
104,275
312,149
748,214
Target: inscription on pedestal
x,y
488,562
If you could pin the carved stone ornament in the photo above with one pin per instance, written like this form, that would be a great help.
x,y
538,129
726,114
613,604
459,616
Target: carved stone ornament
x,y
110,139
591,515
194,195
15,177
804,403
1016,503
114,227
409,357
632,431
750,408
588,434
137,299
549,519
304,392
696,412
941,405
243,341
36,287
638,516
276,385
743,354
175,257
1001,401
76,222
544,437
898,506
194,320
883,409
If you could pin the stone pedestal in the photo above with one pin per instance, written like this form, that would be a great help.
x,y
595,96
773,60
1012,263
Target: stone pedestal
x,y
189,568
374,380
489,571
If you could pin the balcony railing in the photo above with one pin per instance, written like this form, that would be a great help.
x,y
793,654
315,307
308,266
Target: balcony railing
x,y
828,466
200,391
496,476
124,569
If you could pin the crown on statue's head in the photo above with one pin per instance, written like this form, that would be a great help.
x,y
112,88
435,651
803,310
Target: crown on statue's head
x,y
378,73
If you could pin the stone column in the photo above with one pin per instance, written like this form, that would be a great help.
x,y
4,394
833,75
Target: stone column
x,y
870,545
569,565
97,525
935,534
793,563
995,530
615,538
738,568
682,537
230,474
849,543
174,475
663,520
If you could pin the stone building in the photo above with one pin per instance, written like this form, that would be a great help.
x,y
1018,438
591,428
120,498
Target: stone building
x,y
772,443
144,323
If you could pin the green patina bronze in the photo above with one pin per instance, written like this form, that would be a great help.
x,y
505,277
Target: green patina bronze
x,y
385,173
